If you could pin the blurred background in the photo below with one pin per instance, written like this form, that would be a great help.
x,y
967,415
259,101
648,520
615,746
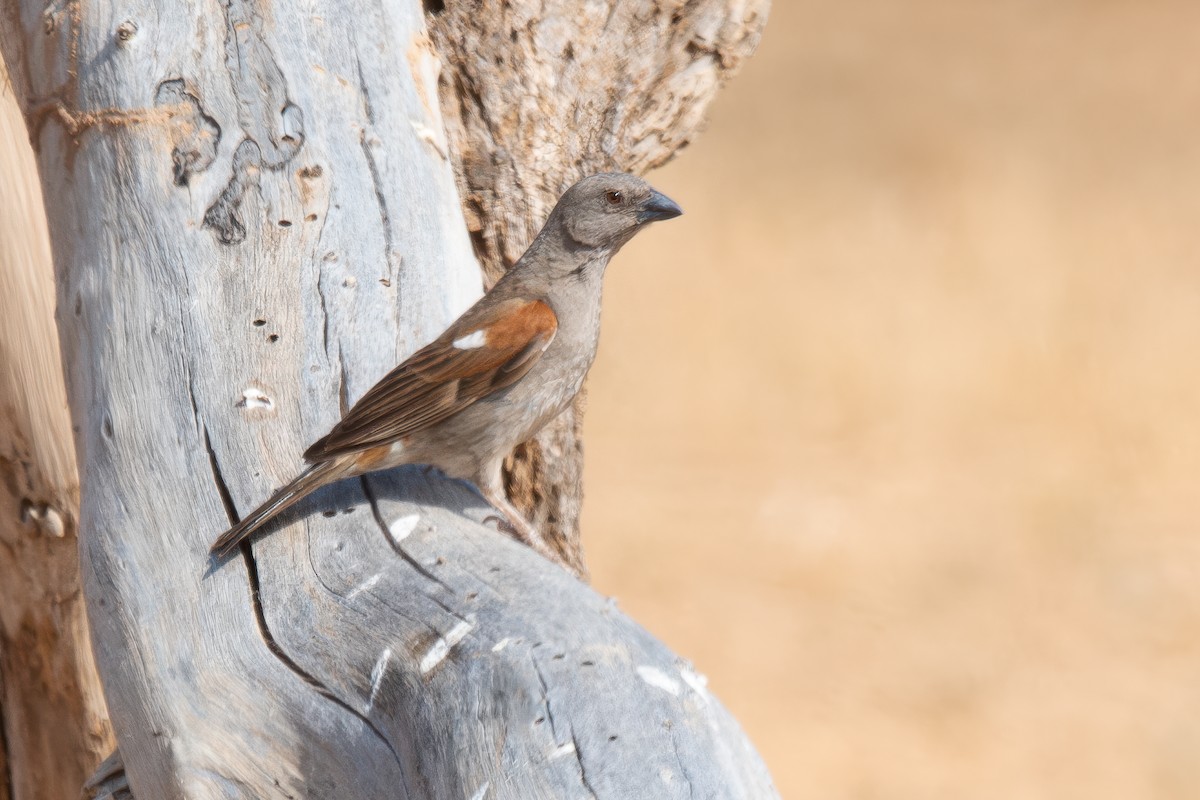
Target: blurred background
x,y
896,433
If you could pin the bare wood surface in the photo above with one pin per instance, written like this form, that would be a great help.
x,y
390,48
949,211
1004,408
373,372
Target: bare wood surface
x,y
255,217
54,727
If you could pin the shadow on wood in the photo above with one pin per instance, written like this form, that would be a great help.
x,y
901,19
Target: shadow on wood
x,y
254,217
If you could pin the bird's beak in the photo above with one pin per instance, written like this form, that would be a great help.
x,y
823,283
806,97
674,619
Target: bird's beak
x,y
658,207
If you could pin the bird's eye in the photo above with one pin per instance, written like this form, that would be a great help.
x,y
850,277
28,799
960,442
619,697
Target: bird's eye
x,y
614,198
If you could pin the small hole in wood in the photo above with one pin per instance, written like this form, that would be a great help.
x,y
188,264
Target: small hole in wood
x,y
311,218
107,427
587,664
559,657
472,595
285,223
126,31
539,720
385,281
434,7
347,510
612,738
328,513
258,323
273,338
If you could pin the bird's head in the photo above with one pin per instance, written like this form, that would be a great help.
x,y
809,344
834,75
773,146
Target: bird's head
x,y
604,211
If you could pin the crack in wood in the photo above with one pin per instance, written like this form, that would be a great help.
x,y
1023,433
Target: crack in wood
x,y
583,776
322,304
683,770
219,479
264,631
380,199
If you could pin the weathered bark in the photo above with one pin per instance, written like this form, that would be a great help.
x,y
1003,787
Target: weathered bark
x,y
254,217
52,720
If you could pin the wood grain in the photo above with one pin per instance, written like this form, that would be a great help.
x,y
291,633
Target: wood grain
x,y
254,218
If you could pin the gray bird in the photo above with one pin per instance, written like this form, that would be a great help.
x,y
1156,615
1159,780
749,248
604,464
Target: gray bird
x,y
506,367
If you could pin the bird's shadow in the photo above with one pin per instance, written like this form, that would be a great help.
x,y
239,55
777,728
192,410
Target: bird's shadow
x,y
413,484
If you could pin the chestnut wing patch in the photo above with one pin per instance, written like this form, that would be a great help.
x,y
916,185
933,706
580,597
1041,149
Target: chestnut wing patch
x,y
483,352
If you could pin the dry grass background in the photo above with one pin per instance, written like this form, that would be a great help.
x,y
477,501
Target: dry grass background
x,y
897,432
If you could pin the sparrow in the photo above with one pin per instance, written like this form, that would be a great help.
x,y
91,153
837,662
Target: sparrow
x,y
511,363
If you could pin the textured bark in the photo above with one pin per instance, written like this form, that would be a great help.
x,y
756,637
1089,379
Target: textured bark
x,y
540,94
254,218
54,726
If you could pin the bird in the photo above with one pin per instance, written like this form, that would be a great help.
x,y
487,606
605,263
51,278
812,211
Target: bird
x,y
507,366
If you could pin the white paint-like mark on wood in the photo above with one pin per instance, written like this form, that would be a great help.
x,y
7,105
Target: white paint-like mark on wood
x,y
255,398
697,682
659,680
52,523
377,676
471,340
500,645
562,750
369,583
441,648
482,791
402,527
429,136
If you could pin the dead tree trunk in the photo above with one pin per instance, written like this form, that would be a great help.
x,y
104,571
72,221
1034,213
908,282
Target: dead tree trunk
x,y
52,721
254,215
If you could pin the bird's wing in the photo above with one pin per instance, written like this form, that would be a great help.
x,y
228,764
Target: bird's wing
x,y
484,351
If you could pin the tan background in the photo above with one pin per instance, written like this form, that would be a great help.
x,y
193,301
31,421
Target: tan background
x,y
896,433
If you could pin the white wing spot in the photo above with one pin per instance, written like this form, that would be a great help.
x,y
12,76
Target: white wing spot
x,y
402,527
441,648
659,680
471,340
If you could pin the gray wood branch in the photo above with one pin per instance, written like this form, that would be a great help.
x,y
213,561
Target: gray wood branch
x,y
254,216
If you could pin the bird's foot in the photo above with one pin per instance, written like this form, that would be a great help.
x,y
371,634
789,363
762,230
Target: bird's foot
x,y
505,526
510,521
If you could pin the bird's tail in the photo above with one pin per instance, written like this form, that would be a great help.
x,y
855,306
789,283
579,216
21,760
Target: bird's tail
x,y
300,487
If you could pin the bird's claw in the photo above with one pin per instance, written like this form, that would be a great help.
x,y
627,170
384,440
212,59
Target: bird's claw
x,y
503,525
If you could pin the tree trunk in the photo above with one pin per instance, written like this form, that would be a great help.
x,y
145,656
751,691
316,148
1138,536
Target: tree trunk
x,y
52,720
254,216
